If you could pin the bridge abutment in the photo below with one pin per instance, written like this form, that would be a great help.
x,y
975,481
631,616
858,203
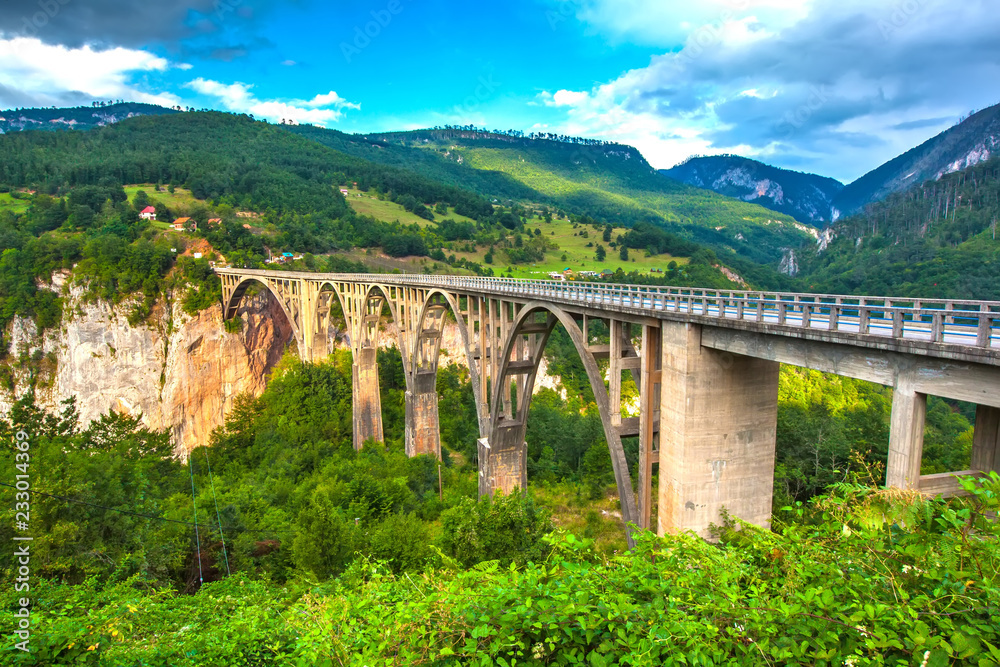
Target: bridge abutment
x,y
718,425
366,401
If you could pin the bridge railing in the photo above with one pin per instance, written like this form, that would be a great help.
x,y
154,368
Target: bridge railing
x,y
947,321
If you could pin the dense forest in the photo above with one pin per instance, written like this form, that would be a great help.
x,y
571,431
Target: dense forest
x,y
938,239
608,182
317,554
76,212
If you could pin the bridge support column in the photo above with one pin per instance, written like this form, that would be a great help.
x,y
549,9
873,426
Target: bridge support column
x,y
423,429
367,404
718,424
906,437
986,440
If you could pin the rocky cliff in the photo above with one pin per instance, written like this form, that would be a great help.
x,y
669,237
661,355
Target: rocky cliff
x,y
178,371
806,197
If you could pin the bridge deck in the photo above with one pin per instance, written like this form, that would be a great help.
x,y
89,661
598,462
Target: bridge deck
x,y
963,330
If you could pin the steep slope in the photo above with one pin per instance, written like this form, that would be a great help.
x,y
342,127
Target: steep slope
x,y
972,141
806,197
938,239
76,118
608,182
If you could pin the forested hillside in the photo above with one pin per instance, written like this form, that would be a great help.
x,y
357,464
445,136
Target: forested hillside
x,y
63,203
938,239
606,182
971,141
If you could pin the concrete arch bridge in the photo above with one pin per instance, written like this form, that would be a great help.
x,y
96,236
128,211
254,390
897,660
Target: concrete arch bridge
x,y
705,363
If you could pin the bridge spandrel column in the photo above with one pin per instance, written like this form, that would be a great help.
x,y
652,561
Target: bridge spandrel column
x,y
367,405
718,426
423,431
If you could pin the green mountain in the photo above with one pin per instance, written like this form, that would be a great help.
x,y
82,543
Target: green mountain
x,y
76,118
806,197
603,181
64,203
970,142
937,239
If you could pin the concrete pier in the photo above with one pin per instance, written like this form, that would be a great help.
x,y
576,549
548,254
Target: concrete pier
x,y
718,423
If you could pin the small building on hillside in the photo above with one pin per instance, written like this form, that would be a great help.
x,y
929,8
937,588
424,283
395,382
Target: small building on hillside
x,y
214,221
607,273
185,224
555,275
148,213
344,192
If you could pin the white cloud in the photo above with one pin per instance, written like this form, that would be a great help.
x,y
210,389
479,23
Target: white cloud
x,y
662,23
843,88
38,74
566,98
320,110
331,99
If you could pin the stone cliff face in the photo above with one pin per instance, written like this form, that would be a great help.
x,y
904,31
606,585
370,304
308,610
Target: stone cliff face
x,y
179,372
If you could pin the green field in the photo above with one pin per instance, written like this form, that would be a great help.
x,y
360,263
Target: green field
x,y
8,203
179,198
568,241
364,203
572,244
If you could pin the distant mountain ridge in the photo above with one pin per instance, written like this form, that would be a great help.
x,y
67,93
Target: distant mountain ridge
x,y
972,141
75,118
806,197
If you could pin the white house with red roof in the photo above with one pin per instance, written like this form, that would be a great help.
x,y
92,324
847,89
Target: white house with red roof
x,y
148,213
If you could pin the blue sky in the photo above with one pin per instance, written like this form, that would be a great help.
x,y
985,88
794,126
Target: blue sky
x,y
831,86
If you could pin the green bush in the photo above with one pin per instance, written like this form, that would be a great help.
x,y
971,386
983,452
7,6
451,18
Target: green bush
x,y
508,529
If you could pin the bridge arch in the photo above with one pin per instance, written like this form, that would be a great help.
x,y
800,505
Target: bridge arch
x,y
427,345
289,305
506,467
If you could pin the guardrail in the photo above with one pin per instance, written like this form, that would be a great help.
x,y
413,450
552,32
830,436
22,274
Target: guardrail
x,y
945,321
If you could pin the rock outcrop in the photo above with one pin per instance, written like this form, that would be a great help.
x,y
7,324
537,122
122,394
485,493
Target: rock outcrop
x,y
178,371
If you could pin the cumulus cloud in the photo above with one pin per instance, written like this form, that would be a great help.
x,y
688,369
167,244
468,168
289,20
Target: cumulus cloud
x,y
659,23
39,74
845,86
322,109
